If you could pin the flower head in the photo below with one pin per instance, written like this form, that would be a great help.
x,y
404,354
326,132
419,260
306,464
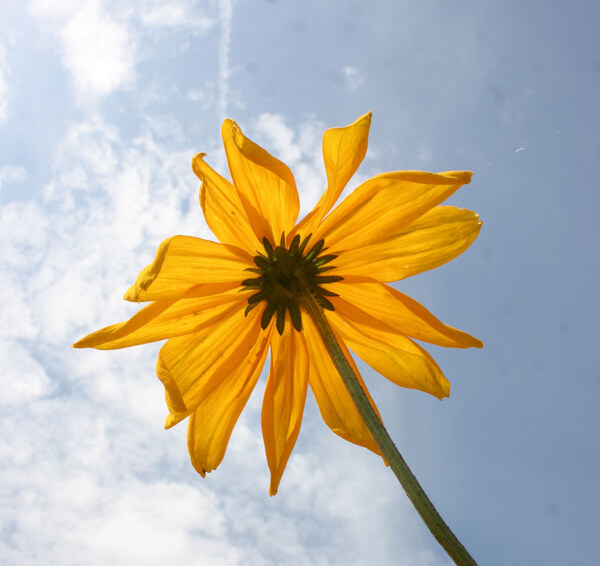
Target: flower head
x,y
222,305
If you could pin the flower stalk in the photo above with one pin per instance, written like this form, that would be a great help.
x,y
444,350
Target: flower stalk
x,y
422,503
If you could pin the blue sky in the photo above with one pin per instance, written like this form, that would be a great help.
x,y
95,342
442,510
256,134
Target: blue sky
x,y
102,106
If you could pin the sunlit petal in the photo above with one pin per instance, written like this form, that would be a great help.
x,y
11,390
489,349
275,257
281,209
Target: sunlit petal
x,y
284,398
432,240
191,366
185,266
393,355
214,418
384,205
335,404
265,185
223,209
164,319
343,152
379,305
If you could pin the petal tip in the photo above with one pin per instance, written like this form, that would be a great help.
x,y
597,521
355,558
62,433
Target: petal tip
x,y
230,129
89,341
131,294
445,392
227,129
458,177
82,343
363,121
198,467
170,421
464,177
197,163
175,417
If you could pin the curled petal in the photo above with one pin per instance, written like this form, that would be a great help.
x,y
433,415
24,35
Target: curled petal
x,y
335,404
343,152
185,266
376,304
382,206
223,209
265,185
212,422
430,241
191,366
164,319
283,404
392,355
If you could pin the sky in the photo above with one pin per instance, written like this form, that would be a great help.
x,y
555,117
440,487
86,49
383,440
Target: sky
x,y
103,103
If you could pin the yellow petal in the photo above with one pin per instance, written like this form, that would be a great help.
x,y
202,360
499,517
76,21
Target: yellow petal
x,y
211,424
384,205
392,355
343,152
164,319
283,404
265,185
381,305
223,209
191,366
185,266
335,404
430,241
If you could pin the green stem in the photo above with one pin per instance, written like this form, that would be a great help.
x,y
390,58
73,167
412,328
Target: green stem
x,y
415,492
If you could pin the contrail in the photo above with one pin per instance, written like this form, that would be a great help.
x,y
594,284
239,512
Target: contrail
x,y
225,10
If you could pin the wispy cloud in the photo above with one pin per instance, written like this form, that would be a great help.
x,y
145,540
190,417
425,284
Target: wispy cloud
x,y
96,48
226,14
175,14
353,77
3,85
101,42
11,174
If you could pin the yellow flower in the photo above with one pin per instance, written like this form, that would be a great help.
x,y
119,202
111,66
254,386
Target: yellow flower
x,y
221,305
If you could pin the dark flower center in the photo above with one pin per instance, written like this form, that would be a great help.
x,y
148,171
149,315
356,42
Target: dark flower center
x,y
285,276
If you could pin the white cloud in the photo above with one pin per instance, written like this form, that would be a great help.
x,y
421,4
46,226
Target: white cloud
x,y
181,14
12,174
173,522
204,97
353,77
101,41
33,382
97,49
3,87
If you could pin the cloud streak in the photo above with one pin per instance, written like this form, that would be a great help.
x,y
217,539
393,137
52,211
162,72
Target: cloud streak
x,y
226,15
3,86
